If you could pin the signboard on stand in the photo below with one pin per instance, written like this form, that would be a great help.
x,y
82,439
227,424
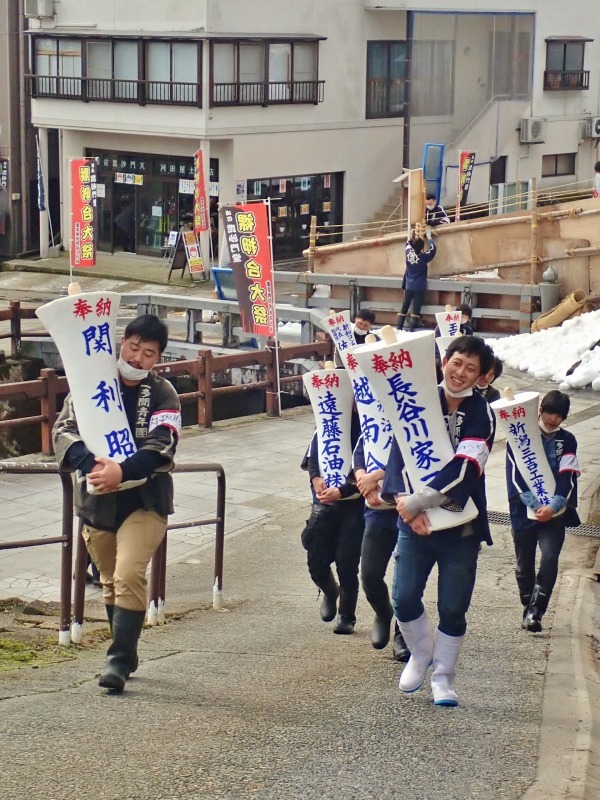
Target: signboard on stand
x,y
187,253
83,202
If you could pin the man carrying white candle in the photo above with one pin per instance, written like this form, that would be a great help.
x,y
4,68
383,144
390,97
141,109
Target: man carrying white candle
x,y
123,529
471,427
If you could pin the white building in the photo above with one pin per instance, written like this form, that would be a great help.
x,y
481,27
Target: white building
x,y
308,102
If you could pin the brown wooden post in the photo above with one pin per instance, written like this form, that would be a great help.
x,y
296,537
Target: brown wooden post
x,y
205,370
48,408
15,327
272,400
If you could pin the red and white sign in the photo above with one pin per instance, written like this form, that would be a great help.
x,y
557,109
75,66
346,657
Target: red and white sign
x,y
83,201
246,229
201,221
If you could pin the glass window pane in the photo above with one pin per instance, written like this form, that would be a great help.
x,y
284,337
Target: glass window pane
x,y
548,166
432,78
252,63
185,63
574,56
279,62
555,60
224,70
99,60
126,69
565,164
45,56
377,60
69,55
159,61
305,62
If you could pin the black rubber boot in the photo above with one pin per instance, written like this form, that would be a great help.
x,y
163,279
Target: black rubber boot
x,y
401,321
331,592
346,619
414,322
532,621
109,613
380,632
400,651
122,654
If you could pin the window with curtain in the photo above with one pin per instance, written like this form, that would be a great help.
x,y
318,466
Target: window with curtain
x,y
126,70
432,78
255,73
385,79
58,62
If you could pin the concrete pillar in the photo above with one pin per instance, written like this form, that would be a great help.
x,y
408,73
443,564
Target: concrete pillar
x,y
44,220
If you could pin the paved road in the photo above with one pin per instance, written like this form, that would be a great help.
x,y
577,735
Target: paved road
x,y
263,701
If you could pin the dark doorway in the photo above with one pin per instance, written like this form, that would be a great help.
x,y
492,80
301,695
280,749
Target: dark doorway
x,y
125,219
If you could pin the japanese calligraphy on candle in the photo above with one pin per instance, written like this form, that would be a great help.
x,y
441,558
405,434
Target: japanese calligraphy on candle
x,y
83,202
247,235
340,330
448,322
518,419
330,395
83,328
375,428
402,377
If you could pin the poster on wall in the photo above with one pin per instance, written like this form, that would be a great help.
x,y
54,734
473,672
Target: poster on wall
x,y
201,222
246,229
192,251
83,202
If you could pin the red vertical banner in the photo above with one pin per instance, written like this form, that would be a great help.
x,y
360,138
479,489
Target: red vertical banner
x,y
201,222
83,202
247,234
466,162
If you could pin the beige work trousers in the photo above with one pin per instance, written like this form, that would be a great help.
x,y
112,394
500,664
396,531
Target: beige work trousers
x,y
122,558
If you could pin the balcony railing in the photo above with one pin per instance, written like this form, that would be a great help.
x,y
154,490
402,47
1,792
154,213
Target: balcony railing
x,y
569,80
266,94
114,90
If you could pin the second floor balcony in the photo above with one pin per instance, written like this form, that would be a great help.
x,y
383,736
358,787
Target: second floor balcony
x,y
172,93
566,80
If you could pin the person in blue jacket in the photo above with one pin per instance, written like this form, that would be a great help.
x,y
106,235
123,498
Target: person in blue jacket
x,y
547,530
471,427
379,541
414,282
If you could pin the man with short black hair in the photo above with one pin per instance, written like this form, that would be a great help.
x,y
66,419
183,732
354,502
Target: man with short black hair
x,y
363,322
434,213
122,529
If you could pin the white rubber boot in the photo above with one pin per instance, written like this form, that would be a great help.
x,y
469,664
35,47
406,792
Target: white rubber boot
x,y
445,656
417,635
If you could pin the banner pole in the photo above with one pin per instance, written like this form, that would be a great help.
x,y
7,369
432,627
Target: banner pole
x,y
458,198
277,381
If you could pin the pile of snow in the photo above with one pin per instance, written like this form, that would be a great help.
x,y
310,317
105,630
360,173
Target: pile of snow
x,y
548,354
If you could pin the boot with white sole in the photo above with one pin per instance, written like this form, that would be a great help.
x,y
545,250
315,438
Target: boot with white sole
x,y
445,655
417,635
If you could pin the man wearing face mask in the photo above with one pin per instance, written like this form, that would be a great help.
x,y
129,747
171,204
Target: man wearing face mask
x,y
123,529
547,530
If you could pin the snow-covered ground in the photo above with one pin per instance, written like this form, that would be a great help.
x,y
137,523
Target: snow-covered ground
x,y
548,354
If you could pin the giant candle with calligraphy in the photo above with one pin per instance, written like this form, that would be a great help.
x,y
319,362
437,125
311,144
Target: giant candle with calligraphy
x,y
330,395
339,328
83,328
448,322
518,419
402,376
375,428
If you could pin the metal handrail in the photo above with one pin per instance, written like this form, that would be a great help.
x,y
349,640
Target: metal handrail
x,y
72,631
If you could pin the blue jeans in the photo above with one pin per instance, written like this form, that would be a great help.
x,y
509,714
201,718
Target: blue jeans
x,y
456,559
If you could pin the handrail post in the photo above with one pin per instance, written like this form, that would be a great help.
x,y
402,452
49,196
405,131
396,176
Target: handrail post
x,y
48,409
219,541
66,560
15,327
205,370
272,396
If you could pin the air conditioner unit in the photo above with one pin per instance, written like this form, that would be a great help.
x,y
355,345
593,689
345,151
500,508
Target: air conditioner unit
x,y
38,9
533,130
592,128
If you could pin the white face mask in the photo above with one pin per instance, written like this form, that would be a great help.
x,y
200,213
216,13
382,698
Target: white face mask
x,y
359,331
545,428
131,373
463,393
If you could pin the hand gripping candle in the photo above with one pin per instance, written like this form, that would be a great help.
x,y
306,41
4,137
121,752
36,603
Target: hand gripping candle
x,y
401,372
83,328
517,416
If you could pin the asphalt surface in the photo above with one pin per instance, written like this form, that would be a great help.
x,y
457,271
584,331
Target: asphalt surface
x,y
261,701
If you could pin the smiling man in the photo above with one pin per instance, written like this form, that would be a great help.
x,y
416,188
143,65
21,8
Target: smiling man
x,y
123,528
471,427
